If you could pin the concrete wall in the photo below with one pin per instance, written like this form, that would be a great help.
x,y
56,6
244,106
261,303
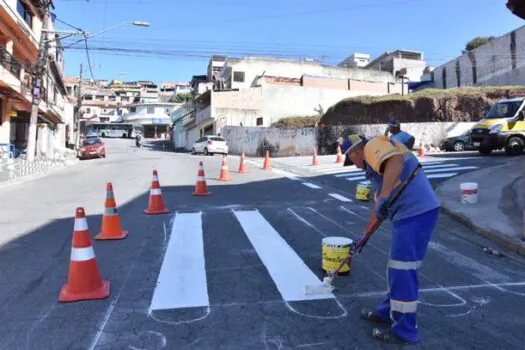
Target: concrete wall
x,y
425,133
499,62
253,141
280,142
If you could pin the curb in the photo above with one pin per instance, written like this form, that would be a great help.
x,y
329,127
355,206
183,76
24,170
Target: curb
x,y
38,175
514,245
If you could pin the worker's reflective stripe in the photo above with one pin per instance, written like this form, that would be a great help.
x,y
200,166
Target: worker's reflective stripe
x,y
155,191
405,307
81,224
404,265
82,254
110,211
200,178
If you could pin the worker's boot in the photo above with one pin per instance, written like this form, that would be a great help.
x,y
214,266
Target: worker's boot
x,y
371,315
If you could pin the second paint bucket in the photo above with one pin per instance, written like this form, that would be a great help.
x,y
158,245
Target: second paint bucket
x,y
362,191
335,250
469,192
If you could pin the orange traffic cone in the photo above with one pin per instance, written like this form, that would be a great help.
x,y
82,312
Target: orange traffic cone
x,y
340,158
243,168
314,159
266,165
225,172
201,189
111,221
421,151
156,201
84,281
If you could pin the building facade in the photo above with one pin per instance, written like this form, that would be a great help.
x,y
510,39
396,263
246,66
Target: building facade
x,y
409,64
20,31
154,118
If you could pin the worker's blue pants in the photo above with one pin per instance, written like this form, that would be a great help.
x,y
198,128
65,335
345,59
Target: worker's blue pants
x,y
410,238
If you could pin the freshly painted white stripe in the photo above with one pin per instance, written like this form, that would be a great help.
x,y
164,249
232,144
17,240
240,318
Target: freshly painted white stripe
x,y
155,191
82,254
441,175
341,198
438,166
182,278
356,178
351,173
286,268
81,224
307,184
451,169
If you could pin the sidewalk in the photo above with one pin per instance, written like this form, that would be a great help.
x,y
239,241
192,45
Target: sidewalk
x,y
498,215
19,170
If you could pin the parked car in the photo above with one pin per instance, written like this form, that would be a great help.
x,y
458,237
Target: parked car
x,y
458,143
92,148
210,144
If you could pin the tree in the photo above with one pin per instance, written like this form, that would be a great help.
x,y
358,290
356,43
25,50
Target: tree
x,y
477,42
181,98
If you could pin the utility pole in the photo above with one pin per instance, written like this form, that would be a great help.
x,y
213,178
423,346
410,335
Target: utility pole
x,y
38,81
78,113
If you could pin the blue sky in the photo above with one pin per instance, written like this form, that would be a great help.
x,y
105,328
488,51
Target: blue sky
x,y
183,34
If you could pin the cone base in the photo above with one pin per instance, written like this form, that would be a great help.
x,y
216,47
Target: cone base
x,y
243,171
201,194
100,293
156,212
103,237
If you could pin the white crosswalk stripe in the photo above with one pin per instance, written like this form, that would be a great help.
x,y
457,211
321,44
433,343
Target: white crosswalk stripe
x,y
182,282
435,168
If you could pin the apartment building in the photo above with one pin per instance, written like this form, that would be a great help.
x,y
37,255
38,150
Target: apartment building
x,y
168,90
20,31
406,63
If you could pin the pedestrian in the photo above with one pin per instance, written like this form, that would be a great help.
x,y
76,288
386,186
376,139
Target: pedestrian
x,y
394,127
414,215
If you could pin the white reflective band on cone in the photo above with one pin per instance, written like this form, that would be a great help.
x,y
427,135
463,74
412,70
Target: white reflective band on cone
x,y
155,178
81,224
404,265
155,191
405,307
82,254
200,178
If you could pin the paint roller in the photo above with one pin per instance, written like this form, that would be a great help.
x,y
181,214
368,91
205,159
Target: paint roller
x,y
355,248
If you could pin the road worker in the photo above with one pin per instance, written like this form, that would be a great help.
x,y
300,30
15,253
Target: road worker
x,y
394,127
388,163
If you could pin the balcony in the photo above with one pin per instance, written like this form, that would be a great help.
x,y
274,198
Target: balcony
x,y
203,114
10,63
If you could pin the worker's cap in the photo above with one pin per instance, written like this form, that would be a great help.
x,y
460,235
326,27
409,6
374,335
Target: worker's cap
x,y
394,122
356,139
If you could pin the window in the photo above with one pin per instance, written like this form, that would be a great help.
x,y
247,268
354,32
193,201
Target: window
x,y
259,121
124,98
150,110
100,97
238,77
88,110
25,13
88,97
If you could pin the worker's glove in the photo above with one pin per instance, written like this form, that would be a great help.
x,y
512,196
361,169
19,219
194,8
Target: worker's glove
x,y
381,208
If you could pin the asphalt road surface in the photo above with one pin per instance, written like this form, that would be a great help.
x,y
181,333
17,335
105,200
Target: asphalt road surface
x,y
227,271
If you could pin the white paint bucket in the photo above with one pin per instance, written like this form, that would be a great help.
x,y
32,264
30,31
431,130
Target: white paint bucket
x,y
469,192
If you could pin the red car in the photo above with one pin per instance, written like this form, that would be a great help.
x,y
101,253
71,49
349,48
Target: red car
x,y
92,148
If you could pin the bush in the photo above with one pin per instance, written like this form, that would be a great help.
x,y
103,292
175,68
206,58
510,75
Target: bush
x,y
297,122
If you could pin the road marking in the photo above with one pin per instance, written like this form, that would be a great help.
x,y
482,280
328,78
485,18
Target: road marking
x,y
182,278
341,198
307,184
451,169
356,178
350,173
289,273
440,176
438,166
